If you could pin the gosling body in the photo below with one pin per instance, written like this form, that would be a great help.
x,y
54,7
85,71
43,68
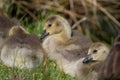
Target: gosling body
x,y
5,25
22,50
110,69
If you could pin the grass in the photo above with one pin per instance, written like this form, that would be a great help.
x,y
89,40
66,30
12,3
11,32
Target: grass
x,y
51,72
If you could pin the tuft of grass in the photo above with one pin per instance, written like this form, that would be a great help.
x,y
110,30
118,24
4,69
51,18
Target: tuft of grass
x,y
50,72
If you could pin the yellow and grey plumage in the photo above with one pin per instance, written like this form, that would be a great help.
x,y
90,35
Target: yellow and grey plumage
x,y
21,49
64,45
88,70
5,25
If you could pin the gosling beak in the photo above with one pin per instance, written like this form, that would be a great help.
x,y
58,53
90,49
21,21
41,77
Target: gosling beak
x,y
87,59
44,34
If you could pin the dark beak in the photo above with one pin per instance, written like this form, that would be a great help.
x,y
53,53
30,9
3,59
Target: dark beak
x,y
87,59
44,34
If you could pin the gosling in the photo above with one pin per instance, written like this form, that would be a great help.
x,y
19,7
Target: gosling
x,y
5,25
22,50
63,45
89,67
110,69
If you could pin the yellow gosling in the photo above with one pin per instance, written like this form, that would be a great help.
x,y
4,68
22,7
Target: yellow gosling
x,y
22,50
90,65
63,45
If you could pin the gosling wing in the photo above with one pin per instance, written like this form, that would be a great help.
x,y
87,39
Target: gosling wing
x,y
76,48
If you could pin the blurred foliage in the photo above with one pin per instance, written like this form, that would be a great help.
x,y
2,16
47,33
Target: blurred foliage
x,y
103,19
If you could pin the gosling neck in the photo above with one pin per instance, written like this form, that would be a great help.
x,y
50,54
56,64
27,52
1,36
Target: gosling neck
x,y
64,36
67,31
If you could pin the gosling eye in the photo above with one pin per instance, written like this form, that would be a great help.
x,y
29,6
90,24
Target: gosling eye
x,y
95,51
49,25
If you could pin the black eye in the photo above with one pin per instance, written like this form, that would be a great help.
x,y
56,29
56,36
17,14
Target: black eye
x,y
94,51
49,25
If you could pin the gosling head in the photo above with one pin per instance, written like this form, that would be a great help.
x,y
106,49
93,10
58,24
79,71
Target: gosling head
x,y
15,30
56,24
96,53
